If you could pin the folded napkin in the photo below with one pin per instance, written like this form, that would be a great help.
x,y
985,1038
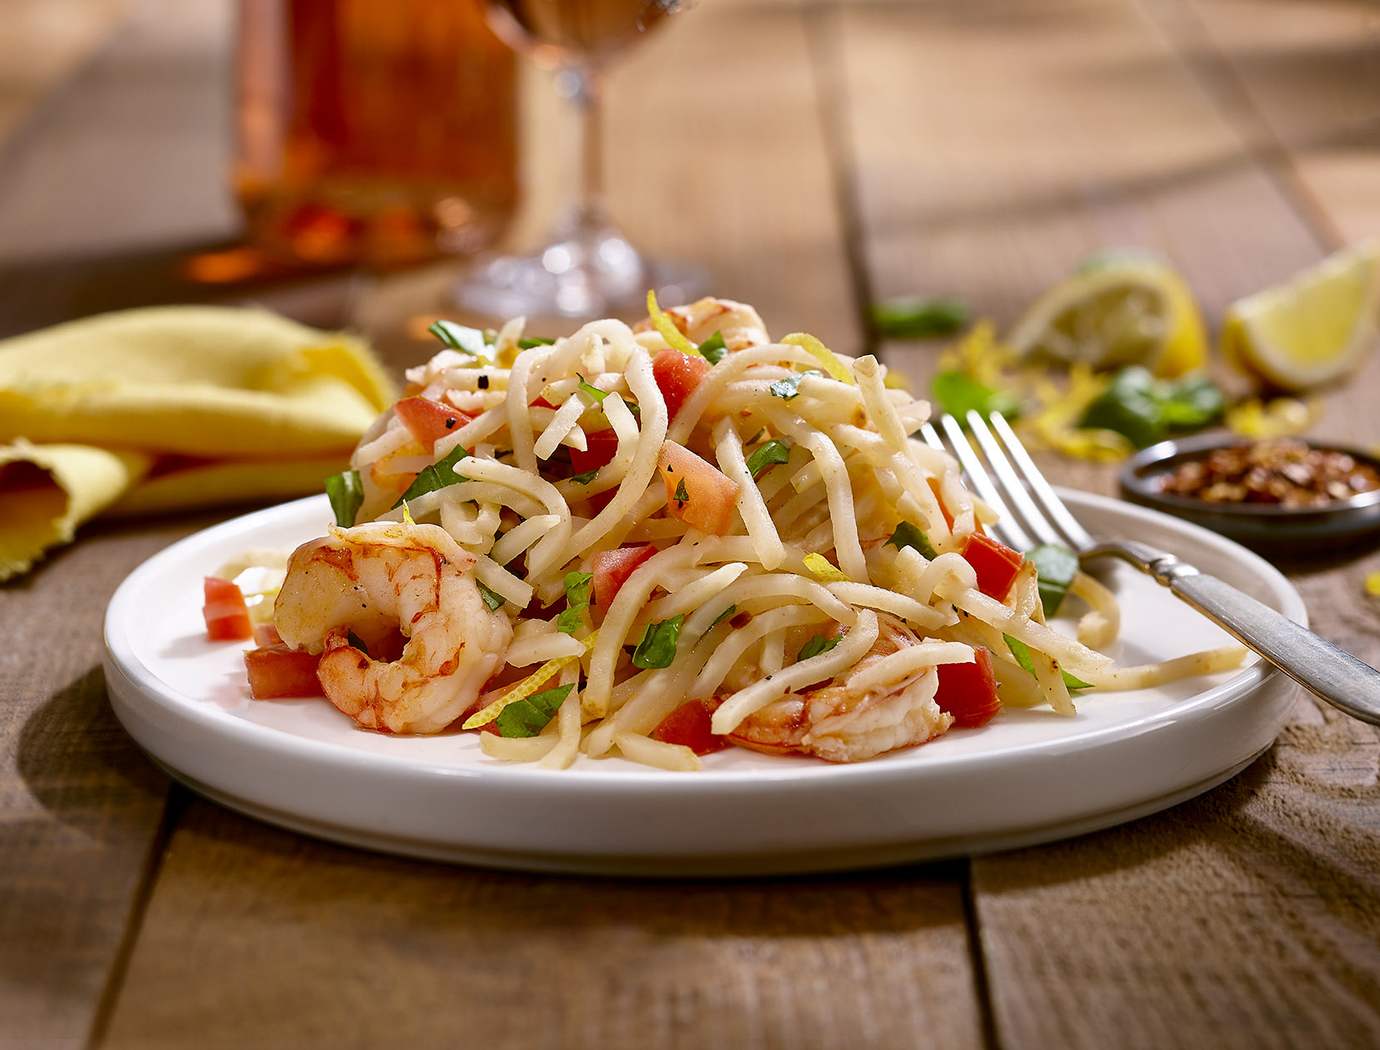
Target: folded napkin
x,y
171,407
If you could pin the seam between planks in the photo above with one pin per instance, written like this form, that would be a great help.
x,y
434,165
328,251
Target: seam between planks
x,y
982,987
831,100
173,807
1227,92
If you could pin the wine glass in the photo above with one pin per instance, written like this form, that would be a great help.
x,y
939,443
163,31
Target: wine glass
x,y
587,268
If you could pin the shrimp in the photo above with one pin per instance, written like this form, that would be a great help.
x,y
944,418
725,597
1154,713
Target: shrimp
x,y
841,724
739,324
372,581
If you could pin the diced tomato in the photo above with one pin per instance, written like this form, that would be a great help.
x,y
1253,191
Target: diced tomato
x,y
600,500
969,691
540,402
612,569
676,376
603,444
227,617
689,724
696,492
996,565
428,420
277,671
265,634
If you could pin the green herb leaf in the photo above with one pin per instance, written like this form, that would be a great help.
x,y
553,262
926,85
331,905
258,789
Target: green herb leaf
x,y
767,455
908,535
714,348
682,496
576,602
958,393
1055,568
535,340
585,477
463,338
530,715
437,476
1146,410
491,598
591,391
346,494
658,645
820,643
722,617
917,318
789,387
1021,652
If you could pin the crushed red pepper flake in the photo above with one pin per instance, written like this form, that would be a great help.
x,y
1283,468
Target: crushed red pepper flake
x,y
1286,473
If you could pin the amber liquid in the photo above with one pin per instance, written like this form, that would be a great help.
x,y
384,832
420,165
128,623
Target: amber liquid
x,y
561,31
375,132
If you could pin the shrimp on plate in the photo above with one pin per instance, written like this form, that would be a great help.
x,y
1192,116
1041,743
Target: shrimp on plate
x,y
840,723
371,581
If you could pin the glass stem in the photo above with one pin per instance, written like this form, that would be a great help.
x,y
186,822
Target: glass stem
x,y
586,92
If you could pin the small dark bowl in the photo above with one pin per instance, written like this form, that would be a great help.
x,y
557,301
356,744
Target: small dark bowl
x,y
1299,531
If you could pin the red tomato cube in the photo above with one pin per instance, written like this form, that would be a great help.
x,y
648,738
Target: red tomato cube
x,y
227,617
603,445
969,691
612,569
277,671
677,375
688,725
996,565
697,493
428,420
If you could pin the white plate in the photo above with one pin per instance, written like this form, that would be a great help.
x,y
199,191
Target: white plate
x,y
1029,776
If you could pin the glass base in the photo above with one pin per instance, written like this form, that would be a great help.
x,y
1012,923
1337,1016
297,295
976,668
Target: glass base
x,y
596,273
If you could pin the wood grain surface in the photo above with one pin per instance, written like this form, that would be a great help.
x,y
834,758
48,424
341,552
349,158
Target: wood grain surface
x,y
813,155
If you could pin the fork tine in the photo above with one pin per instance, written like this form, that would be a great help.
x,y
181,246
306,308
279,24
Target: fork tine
x,y
1063,519
1010,479
1008,528
932,437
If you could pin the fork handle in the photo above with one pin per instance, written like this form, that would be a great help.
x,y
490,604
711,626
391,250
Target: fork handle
x,y
1330,673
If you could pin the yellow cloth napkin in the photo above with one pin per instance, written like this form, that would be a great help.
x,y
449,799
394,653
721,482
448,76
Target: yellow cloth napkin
x,y
167,408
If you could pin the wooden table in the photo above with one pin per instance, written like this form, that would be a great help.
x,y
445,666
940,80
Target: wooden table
x,y
815,156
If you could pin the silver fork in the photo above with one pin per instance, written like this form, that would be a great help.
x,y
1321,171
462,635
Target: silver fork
x,y
1010,482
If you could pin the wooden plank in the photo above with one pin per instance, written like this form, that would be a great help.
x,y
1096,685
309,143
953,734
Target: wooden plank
x,y
1304,82
305,942
993,151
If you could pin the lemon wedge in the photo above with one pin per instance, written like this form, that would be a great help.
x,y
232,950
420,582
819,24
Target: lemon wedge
x,y
1312,329
1117,310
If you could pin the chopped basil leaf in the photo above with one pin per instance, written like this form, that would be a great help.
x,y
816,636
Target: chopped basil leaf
x,y
585,477
722,617
789,387
491,598
713,348
346,494
1021,652
820,643
463,338
913,318
682,496
591,391
576,602
908,535
530,715
958,393
535,340
658,645
633,406
1055,568
771,453
1146,410
437,476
